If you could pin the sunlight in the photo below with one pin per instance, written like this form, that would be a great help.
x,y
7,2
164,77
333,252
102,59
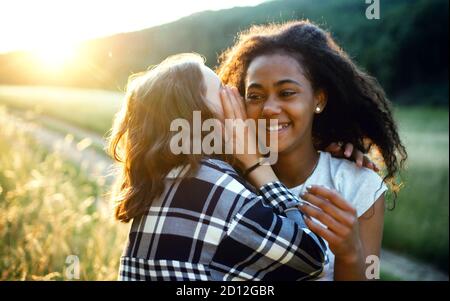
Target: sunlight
x,y
76,21
55,57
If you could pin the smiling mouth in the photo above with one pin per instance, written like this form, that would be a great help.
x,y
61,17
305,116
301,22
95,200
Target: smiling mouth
x,y
279,127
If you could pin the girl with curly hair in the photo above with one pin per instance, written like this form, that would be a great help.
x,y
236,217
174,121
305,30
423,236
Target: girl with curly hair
x,y
297,74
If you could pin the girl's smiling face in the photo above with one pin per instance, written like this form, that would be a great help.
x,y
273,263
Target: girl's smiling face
x,y
276,88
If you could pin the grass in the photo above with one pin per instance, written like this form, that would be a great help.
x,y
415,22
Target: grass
x,y
49,210
384,276
418,226
89,109
57,128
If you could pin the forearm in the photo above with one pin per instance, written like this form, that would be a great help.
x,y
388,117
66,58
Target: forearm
x,y
262,175
350,268
286,243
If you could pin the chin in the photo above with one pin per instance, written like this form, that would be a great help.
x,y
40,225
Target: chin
x,y
285,142
281,150
280,147
288,143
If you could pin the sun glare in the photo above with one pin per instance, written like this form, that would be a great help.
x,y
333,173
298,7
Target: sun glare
x,y
55,57
79,20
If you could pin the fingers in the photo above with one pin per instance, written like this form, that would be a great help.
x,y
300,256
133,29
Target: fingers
x,y
359,158
348,150
331,196
362,160
369,164
334,148
326,234
226,104
240,102
232,103
324,218
328,208
228,112
351,153
375,167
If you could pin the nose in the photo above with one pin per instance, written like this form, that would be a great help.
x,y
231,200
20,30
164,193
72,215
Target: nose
x,y
271,107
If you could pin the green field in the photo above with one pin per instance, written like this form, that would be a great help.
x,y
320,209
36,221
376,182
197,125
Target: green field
x,y
418,226
89,109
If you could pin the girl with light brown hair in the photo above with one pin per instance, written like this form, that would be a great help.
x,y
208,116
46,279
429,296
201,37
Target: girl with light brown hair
x,y
194,217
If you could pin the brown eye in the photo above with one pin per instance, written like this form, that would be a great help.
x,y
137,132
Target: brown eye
x,y
287,93
253,97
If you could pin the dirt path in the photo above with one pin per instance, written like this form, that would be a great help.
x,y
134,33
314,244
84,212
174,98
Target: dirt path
x,y
77,148
97,165
410,269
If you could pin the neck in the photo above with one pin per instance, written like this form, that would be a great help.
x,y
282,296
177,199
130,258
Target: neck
x,y
294,167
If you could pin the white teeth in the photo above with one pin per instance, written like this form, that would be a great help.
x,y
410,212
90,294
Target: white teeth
x,y
277,127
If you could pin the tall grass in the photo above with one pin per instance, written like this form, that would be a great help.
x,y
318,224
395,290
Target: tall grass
x,y
50,210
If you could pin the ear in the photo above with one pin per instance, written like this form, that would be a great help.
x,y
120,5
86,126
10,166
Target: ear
x,y
320,101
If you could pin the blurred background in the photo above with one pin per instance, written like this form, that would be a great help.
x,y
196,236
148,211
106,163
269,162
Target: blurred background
x,y
63,69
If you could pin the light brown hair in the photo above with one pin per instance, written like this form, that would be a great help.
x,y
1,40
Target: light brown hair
x,y
140,136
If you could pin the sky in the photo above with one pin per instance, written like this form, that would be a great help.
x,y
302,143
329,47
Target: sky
x,y
45,24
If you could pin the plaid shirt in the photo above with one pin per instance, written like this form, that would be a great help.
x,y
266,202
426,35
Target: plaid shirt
x,y
213,226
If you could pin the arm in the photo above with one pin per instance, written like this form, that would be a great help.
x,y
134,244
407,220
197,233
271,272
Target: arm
x,y
350,238
260,244
370,234
371,228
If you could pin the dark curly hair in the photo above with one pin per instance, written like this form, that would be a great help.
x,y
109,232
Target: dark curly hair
x,y
357,110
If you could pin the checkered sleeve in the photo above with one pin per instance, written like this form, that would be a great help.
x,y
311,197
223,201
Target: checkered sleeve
x,y
262,244
285,203
279,196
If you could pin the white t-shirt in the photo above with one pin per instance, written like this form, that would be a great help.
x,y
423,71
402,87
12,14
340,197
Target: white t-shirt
x,y
361,187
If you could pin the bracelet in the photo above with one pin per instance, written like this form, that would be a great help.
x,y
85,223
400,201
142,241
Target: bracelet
x,y
252,168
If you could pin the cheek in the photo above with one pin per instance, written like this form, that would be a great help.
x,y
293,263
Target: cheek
x,y
253,111
300,113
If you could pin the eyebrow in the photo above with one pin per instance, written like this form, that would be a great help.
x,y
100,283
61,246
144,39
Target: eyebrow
x,y
287,81
254,85
278,83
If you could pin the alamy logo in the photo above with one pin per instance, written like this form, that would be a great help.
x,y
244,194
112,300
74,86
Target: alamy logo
x,y
373,10
373,268
72,267
219,137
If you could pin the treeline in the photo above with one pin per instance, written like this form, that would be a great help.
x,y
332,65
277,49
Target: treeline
x,y
406,49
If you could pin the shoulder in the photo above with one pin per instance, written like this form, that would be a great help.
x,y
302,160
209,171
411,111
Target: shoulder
x,y
358,185
211,174
219,169
214,189
223,176
346,169
218,165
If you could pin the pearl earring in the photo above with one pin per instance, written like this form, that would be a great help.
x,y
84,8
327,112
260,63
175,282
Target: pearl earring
x,y
317,109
